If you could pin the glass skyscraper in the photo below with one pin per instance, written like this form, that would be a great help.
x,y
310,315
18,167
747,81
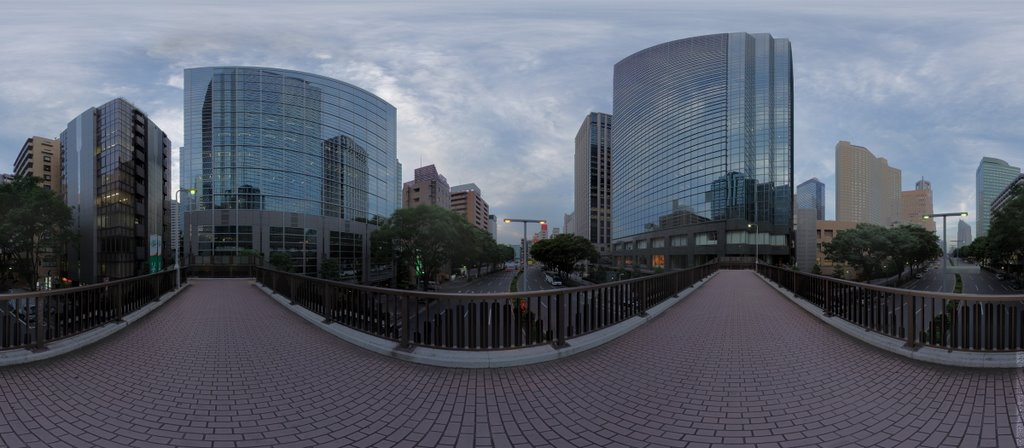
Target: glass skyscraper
x,y
991,178
811,194
703,148
285,161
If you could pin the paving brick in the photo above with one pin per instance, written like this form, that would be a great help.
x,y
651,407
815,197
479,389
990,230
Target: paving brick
x,y
734,363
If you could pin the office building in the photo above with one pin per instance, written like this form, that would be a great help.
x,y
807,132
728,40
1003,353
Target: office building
x,y
115,174
40,157
825,232
428,187
991,178
1015,187
811,195
593,181
6,178
569,223
804,237
917,203
287,161
963,234
703,152
492,226
867,188
467,201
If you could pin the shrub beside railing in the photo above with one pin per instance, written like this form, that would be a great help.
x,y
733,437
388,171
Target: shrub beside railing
x,y
479,321
33,319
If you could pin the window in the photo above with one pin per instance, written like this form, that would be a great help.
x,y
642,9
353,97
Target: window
x,y
658,243
706,238
46,177
641,244
678,241
47,159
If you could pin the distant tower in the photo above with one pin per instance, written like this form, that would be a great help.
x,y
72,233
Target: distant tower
x,y
811,194
963,234
916,203
592,215
428,187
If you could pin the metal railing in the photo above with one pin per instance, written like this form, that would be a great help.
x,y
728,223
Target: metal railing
x,y
32,319
479,321
970,322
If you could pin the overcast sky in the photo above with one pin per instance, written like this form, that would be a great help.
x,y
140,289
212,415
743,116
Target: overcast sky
x,y
494,92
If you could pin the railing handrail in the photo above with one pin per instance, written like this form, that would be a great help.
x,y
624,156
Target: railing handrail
x,y
77,289
492,295
910,292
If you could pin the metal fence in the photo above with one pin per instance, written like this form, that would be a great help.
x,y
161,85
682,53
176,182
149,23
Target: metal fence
x,y
479,321
971,322
32,319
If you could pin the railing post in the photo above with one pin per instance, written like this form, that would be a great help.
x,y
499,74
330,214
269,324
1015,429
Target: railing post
x,y
562,317
292,287
406,330
911,322
828,298
328,303
119,302
40,327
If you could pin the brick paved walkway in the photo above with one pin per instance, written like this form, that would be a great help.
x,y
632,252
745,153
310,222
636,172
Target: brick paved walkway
x,y
735,364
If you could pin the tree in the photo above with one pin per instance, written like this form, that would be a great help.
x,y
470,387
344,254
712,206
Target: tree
x,y
430,234
281,261
876,251
330,269
562,252
34,221
1005,235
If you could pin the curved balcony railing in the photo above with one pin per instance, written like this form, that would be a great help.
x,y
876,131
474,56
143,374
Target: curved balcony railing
x,y
479,321
969,322
33,319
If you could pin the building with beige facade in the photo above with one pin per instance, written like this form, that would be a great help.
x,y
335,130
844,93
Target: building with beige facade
x,y
467,201
40,157
916,203
825,232
428,187
867,188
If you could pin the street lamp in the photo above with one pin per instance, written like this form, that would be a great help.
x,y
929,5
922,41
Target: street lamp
x,y
757,241
177,263
944,241
522,256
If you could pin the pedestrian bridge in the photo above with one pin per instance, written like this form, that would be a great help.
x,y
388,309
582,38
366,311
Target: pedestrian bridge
x,y
734,363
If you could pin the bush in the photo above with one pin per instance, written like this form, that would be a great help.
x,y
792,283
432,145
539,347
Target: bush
x,y
281,261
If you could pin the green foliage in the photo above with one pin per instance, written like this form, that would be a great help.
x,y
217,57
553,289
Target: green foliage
x,y
436,237
816,269
1006,234
281,261
330,269
33,220
878,251
958,286
563,252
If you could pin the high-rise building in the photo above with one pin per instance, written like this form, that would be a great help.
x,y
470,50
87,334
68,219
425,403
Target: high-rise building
x,y
40,157
703,151
811,195
555,231
492,226
467,201
917,203
867,188
286,161
991,178
6,178
115,165
593,181
1007,194
963,234
569,223
428,187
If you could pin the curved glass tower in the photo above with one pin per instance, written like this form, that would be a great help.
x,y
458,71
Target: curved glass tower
x,y
703,149
286,161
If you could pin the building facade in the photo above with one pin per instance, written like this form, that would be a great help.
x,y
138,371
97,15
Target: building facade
x,y
917,203
867,188
963,234
991,178
428,187
115,173
569,223
468,201
811,195
593,181
825,232
287,161
40,157
1008,193
703,152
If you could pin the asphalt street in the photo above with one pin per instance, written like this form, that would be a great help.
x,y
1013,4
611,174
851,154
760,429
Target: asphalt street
x,y
975,281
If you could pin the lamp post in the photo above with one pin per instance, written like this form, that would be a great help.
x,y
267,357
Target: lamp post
x,y
522,256
944,243
757,242
177,263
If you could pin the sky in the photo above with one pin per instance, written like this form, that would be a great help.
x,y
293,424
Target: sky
x,y
493,93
